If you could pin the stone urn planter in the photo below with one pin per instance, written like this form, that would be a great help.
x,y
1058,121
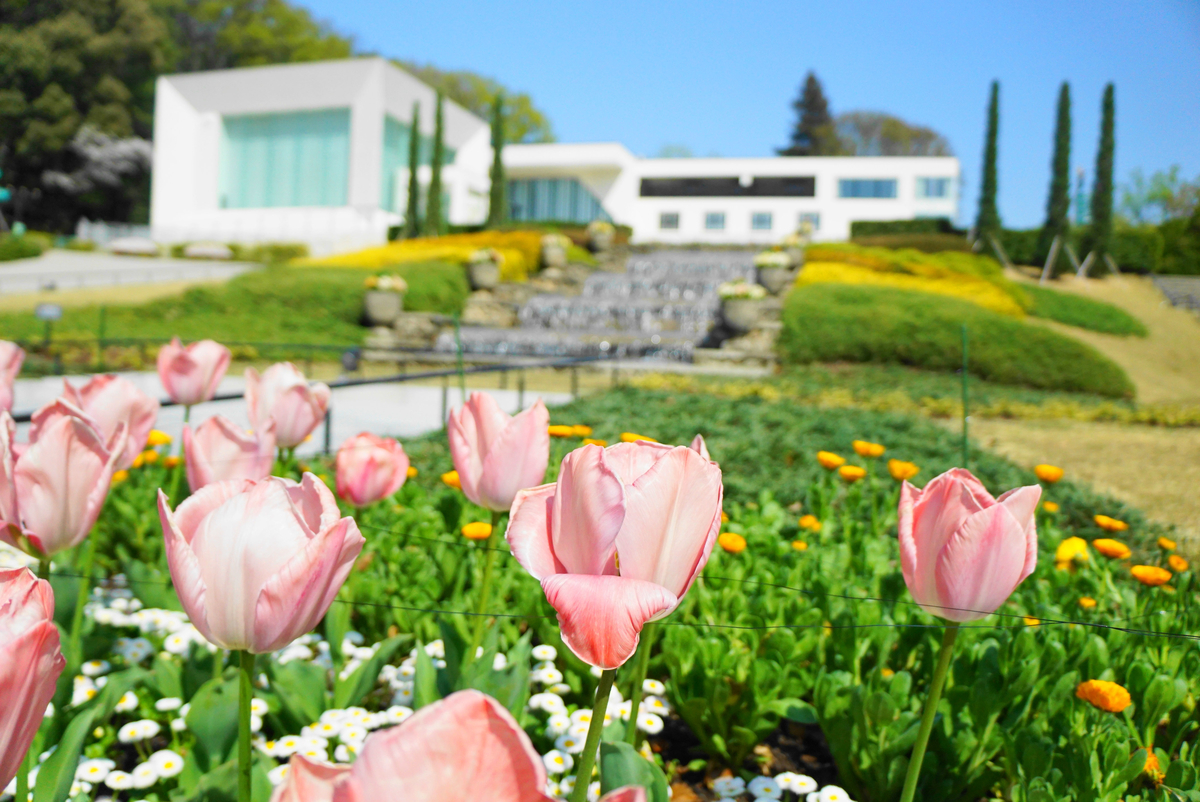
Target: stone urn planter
x,y
796,255
382,307
741,314
554,250
776,279
600,236
483,275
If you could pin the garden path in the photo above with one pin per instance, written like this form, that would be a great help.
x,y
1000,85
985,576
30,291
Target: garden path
x,y
65,270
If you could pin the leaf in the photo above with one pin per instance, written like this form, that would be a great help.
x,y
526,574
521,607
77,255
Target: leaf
x,y
152,586
425,686
793,710
213,719
456,657
350,691
167,677
621,765
300,686
337,624
1135,766
220,784
510,685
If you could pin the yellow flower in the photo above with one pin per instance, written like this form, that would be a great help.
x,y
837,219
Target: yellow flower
x,y
582,431
1048,473
1114,549
1150,575
451,478
1110,524
157,438
171,462
119,476
1107,696
411,473
864,448
149,456
562,431
851,473
886,673
1071,551
732,542
810,523
1177,563
799,545
1050,506
830,461
901,470
477,530
1087,602
591,441
1166,544
630,437
139,460
724,517
1030,621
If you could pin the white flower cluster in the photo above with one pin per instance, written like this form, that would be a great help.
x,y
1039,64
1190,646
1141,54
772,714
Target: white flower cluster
x,y
347,727
116,606
776,259
741,289
730,789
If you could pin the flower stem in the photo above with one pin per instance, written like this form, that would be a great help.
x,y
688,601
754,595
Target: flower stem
x,y
635,684
85,581
587,759
23,777
44,569
930,712
485,587
245,695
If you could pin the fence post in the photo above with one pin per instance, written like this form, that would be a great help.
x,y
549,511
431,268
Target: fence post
x,y
520,389
328,429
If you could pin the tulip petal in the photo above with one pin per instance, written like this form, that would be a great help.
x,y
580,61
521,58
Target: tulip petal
x,y
601,617
8,487
588,508
516,459
700,447
471,430
185,571
254,411
631,460
464,748
1022,503
528,532
309,781
630,793
30,665
927,519
672,517
980,565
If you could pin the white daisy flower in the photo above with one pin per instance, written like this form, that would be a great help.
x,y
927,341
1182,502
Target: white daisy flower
x,y
558,762
287,745
729,786
764,788
593,793
278,774
571,744
653,686
656,705
94,668
397,713
128,702
796,783
561,689
544,652
258,706
118,781
557,725
94,771
166,763
831,793
168,703
649,723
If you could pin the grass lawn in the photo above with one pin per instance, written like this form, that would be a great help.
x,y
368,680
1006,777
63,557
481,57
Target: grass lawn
x,y
1084,313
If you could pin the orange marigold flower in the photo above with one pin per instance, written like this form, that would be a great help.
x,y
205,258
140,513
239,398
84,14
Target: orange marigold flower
x,y
1050,506
630,437
119,476
1048,473
1153,768
901,470
732,542
851,473
562,431
581,430
451,478
1087,602
411,473
830,461
1151,575
886,673
1071,551
1107,696
810,523
799,545
724,517
1166,544
171,462
157,438
1112,548
1030,621
589,441
1110,524
864,448
1177,563
477,530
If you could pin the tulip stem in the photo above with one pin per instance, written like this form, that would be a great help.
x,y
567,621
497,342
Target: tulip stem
x,y
635,686
587,759
930,712
245,696
44,569
23,777
485,587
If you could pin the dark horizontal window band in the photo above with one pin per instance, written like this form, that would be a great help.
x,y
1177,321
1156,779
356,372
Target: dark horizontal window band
x,y
760,187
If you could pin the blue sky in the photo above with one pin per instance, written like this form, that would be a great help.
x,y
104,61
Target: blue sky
x,y
720,77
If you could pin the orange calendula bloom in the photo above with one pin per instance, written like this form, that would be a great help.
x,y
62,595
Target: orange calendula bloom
x,y
799,545
1114,549
171,462
1110,524
591,441
451,478
630,437
1107,696
901,470
1071,551
851,473
724,517
1050,506
119,476
1166,544
1151,575
411,473
1153,768
863,448
477,530
1087,602
581,430
157,438
830,461
562,431
732,542
810,523
1048,473
1177,563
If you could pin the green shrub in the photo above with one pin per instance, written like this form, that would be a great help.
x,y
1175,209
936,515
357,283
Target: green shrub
x,y
1137,250
844,323
920,225
928,243
1021,245
1085,313
1181,245
18,248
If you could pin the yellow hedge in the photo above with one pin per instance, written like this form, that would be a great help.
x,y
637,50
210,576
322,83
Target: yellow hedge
x,y
958,285
520,252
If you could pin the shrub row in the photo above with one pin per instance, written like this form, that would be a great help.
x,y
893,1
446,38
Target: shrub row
x,y
18,248
920,225
1085,313
1137,250
927,243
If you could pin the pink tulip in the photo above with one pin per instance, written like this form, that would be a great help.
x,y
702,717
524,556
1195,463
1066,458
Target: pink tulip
x,y
191,375
700,447
219,449
30,662
283,394
963,552
11,358
257,564
464,748
496,454
110,401
51,495
370,468
617,540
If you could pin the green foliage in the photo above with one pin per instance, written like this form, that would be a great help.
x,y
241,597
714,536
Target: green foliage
x,y
1181,245
833,322
1086,313
1059,202
813,133
498,190
12,248
987,221
919,225
431,226
1138,250
876,133
1099,233
1161,197
412,214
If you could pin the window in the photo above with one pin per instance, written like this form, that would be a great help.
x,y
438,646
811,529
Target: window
x,y
715,221
668,221
553,199
293,159
797,186
933,187
760,221
867,188
812,219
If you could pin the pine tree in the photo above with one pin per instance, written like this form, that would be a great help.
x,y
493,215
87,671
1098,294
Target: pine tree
x,y
433,199
1058,206
814,133
412,221
987,223
1100,232
498,200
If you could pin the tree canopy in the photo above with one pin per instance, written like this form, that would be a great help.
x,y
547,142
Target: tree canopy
x,y
875,133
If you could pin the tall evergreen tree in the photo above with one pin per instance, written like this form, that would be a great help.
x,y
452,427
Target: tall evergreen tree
x,y
498,197
1100,232
433,199
1059,204
814,133
412,213
987,222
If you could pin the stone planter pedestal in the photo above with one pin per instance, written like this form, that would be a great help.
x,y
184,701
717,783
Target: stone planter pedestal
x,y
382,307
741,314
776,279
483,275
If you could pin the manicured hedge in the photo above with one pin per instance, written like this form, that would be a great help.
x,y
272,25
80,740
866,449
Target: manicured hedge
x,y
845,323
1137,250
1085,313
920,225
928,243
18,248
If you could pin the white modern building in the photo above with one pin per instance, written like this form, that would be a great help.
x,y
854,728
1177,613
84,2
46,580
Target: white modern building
x,y
318,153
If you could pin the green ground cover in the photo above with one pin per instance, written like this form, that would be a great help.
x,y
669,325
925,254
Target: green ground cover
x,y
1085,313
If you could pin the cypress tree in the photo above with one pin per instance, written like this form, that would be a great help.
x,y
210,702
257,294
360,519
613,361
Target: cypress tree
x,y
412,221
988,220
814,133
1059,204
433,200
1100,232
498,200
